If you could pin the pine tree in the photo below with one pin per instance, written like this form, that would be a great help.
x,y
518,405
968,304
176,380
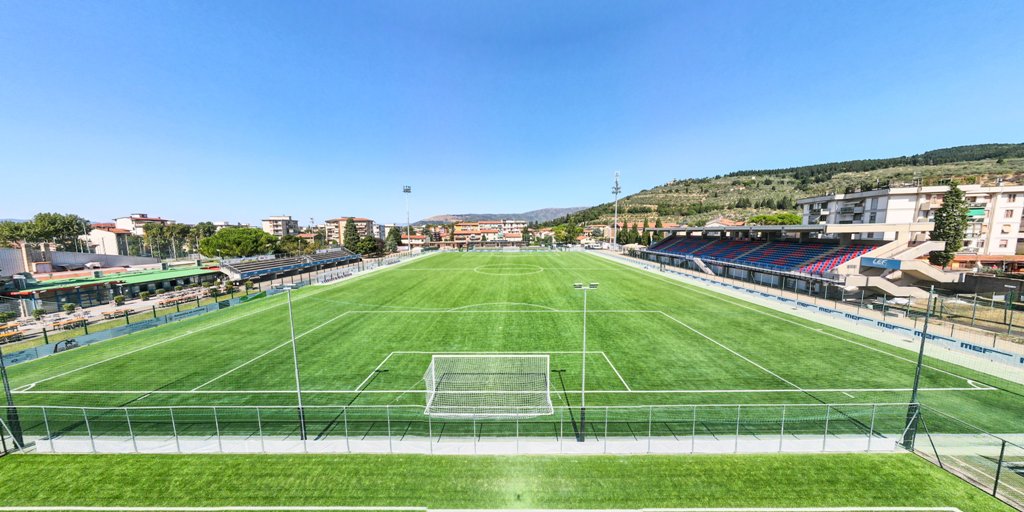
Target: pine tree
x,y
351,236
950,226
394,239
658,235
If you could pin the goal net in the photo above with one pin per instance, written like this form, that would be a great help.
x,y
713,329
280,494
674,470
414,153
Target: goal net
x,y
488,386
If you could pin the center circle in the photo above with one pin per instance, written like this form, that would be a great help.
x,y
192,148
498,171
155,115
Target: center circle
x,y
508,270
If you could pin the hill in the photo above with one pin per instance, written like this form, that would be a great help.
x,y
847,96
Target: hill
x,y
742,194
542,215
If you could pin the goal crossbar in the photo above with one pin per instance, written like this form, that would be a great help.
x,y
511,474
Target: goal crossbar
x,y
488,386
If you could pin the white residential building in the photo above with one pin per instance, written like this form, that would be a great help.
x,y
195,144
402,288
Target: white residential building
x,y
281,225
994,217
137,221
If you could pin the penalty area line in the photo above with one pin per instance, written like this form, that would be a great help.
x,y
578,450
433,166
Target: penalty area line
x,y
596,392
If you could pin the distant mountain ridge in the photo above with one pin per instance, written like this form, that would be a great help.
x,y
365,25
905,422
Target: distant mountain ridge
x,y
541,215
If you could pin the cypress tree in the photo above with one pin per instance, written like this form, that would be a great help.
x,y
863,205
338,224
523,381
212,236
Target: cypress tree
x,y
351,236
950,226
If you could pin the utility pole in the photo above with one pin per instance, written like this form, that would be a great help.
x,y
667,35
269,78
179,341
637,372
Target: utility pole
x,y
616,190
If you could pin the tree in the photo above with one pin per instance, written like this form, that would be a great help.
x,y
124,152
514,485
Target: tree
x,y
154,234
237,242
292,245
393,240
950,226
657,235
527,236
567,233
776,219
367,245
351,236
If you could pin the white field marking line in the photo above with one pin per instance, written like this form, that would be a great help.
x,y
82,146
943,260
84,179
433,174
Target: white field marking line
x,y
616,370
596,392
503,304
809,509
201,329
469,311
723,298
225,374
735,353
228,508
370,376
976,471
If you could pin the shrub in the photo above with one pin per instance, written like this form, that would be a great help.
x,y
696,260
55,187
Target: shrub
x,y
249,285
38,313
160,291
69,308
229,288
7,316
144,295
118,300
178,288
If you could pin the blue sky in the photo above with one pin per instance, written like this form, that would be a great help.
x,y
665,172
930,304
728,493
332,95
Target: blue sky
x,y
235,110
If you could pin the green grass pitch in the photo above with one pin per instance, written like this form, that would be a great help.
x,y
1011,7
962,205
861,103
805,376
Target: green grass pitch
x,y
550,482
651,341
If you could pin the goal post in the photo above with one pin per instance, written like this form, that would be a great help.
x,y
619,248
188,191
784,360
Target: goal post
x,y
495,386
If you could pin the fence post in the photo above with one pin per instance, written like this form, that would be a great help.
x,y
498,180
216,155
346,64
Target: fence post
x,y
693,434
736,446
561,432
782,427
650,422
999,468
259,426
871,429
131,433
606,429
517,435
46,339
216,426
174,430
348,447
154,310
88,429
474,434
387,413
824,438
49,436
430,433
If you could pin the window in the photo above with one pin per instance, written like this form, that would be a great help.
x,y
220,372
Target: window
x,y
871,217
1012,198
1002,244
1008,214
1006,229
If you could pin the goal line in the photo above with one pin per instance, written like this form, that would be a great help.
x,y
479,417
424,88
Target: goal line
x,y
335,508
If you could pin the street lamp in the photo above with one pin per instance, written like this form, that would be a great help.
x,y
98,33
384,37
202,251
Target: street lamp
x,y
295,363
616,190
583,373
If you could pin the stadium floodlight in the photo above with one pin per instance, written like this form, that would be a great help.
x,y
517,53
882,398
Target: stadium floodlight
x,y
913,412
582,436
616,190
488,386
295,363
406,189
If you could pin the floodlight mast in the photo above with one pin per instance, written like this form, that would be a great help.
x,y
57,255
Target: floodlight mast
x,y
616,189
408,223
295,363
582,435
914,409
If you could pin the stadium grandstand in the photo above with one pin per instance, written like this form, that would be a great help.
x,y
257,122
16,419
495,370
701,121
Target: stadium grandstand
x,y
263,266
806,256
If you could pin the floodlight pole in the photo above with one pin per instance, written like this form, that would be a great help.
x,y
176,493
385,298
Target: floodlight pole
x,y
408,222
616,189
913,412
582,435
295,362
12,412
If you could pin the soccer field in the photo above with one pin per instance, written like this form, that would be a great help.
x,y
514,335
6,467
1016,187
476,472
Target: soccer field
x,y
651,341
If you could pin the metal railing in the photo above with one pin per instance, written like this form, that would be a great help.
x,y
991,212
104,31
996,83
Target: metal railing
x,y
752,428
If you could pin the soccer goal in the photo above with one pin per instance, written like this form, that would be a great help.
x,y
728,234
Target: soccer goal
x,y
495,386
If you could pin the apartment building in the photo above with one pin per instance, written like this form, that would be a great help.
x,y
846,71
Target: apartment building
x,y
107,238
336,228
511,230
994,215
136,222
281,225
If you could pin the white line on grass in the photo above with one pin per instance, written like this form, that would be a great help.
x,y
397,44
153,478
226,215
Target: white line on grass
x,y
616,371
723,298
975,471
735,353
201,329
596,392
370,376
285,344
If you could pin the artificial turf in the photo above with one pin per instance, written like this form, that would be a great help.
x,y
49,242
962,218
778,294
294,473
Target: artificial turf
x,y
591,482
651,341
